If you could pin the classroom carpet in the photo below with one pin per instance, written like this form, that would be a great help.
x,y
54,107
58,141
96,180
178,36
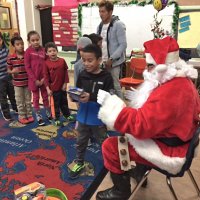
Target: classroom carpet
x,y
43,154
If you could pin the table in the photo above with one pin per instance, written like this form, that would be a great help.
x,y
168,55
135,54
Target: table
x,y
196,63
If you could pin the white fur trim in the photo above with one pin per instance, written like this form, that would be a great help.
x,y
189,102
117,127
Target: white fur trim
x,y
170,58
139,96
158,76
184,69
110,110
150,151
161,68
149,59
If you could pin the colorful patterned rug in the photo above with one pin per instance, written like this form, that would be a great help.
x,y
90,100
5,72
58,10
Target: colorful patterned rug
x,y
42,154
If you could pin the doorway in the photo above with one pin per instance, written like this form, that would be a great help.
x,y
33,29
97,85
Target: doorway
x,y
46,25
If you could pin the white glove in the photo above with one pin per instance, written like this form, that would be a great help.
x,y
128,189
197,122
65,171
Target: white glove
x,y
102,96
111,107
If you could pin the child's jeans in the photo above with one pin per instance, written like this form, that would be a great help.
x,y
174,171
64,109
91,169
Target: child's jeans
x,y
85,133
61,103
7,89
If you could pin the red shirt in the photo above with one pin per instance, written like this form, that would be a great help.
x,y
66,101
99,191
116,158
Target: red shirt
x,y
55,74
20,79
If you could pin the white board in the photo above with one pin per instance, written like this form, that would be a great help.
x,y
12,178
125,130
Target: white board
x,y
138,21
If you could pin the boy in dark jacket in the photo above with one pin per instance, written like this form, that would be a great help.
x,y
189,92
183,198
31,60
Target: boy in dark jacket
x,y
91,79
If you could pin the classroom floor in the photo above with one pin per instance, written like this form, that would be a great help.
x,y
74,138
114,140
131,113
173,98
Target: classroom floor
x,y
157,188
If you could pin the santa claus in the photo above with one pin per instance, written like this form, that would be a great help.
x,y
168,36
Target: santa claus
x,y
160,122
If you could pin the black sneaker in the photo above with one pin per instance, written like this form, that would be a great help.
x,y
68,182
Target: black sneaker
x,y
49,117
7,116
41,122
76,170
39,119
15,110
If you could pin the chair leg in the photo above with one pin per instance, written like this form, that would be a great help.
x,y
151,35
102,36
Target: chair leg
x,y
137,187
194,182
171,188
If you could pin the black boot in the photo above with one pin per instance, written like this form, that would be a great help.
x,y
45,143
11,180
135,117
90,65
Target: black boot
x,y
121,189
138,172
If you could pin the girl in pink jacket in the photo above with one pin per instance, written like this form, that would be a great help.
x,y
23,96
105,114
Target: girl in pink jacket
x,y
34,60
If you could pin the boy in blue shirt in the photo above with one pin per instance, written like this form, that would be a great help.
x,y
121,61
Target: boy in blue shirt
x,y
91,79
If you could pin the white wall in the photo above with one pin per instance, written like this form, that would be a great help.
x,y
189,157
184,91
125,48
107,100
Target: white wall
x,y
29,17
22,20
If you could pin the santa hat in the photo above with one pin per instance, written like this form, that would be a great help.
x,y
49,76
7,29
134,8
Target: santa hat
x,y
161,52
83,42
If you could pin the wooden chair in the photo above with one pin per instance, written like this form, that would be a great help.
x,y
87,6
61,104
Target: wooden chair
x,y
137,66
186,167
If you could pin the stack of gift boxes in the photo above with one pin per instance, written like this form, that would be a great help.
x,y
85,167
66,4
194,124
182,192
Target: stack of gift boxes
x,y
65,25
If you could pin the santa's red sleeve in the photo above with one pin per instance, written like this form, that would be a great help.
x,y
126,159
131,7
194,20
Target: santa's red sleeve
x,y
170,111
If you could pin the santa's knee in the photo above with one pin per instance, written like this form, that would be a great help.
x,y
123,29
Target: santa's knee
x,y
109,146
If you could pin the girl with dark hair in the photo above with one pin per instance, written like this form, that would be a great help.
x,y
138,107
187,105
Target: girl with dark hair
x,y
34,61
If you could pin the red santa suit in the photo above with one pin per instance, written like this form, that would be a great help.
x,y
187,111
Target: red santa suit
x,y
169,110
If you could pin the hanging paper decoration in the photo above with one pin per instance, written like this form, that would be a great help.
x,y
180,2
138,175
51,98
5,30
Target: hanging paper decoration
x,y
160,4
66,3
65,25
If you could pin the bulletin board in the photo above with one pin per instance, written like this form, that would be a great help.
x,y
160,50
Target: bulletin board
x,y
188,29
138,21
65,25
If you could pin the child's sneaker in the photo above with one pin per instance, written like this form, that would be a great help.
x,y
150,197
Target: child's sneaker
x,y
7,116
15,110
23,120
70,118
30,119
40,119
89,143
76,170
57,123
48,114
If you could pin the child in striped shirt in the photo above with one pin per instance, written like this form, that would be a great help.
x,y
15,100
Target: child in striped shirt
x,y
6,86
15,65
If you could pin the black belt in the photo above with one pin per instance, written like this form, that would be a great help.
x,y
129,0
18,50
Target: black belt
x,y
173,142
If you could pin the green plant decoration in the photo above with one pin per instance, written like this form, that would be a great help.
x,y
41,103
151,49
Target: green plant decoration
x,y
79,20
6,38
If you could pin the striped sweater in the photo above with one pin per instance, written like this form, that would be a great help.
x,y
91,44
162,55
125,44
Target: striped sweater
x,y
3,62
21,78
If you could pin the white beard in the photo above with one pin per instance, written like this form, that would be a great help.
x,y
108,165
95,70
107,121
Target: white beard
x,y
138,97
154,78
